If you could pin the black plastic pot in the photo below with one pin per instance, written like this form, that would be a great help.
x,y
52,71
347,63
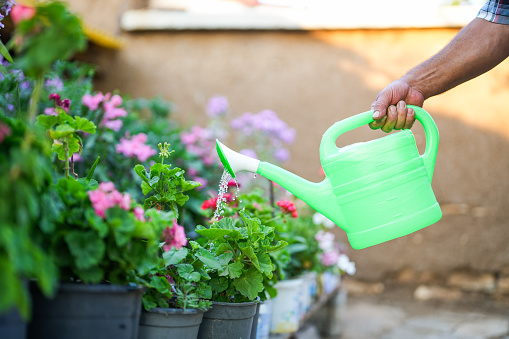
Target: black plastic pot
x,y
228,320
81,311
169,323
12,326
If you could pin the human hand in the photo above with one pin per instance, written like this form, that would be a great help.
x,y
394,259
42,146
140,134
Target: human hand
x,y
390,110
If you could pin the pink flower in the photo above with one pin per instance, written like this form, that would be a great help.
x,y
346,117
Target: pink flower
x,y
21,12
5,131
50,111
114,125
329,258
106,196
92,101
139,213
112,112
174,237
135,147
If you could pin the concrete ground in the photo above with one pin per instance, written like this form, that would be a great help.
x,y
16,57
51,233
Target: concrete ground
x,y
396,314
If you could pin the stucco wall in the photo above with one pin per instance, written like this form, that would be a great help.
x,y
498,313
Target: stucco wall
x,y
313,79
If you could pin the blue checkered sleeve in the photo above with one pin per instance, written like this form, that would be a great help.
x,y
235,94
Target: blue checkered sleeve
x,y
495,11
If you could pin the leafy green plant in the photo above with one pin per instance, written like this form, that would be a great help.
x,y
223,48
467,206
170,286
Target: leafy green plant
x,y
166,186
25,206
63,129
241,257
99,235
178,281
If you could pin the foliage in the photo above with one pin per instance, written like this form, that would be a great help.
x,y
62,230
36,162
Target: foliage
x,y
26,174
63,130
241,259
166,185
53,33
179,280
96,234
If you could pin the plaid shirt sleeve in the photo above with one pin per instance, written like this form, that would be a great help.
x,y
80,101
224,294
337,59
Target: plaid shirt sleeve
x,y
495,11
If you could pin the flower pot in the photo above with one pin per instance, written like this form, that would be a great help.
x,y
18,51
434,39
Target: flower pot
x,y
285,306
12,326
329,282
228,320
81,311
263,321
167,323
254,327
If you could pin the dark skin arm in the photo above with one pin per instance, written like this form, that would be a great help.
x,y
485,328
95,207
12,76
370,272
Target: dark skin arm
x,y
477,48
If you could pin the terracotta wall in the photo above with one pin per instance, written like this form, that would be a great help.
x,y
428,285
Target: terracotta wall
x,y
313,79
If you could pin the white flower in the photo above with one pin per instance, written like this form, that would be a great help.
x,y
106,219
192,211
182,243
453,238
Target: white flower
x,y
320,219
346,265
325,240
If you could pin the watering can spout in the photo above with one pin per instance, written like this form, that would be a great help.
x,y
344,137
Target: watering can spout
x,y
317,195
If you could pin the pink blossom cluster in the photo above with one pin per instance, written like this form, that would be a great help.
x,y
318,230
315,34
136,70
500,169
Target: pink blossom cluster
x,y
174,236
200,141
112,109
5,131
135,147
106,196
331,255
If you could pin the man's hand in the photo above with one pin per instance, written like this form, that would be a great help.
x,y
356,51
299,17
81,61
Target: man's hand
x,y
390,110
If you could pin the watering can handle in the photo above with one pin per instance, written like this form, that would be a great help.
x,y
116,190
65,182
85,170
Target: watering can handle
x,y
328,144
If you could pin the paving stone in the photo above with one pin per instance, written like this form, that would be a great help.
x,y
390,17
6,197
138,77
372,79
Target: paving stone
x,y
485,327
364,320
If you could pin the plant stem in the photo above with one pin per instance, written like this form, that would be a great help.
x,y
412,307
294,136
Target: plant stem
x,y
66,150
34,98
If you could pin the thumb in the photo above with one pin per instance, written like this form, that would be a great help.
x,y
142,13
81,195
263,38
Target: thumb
x,y
380,105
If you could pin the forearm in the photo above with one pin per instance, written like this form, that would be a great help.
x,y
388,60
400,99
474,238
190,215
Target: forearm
x,y
477,48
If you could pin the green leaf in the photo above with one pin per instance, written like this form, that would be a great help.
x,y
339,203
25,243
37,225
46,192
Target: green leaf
x,y
278,246
47,121
208,259
5,53
85,125
214,233
265,263
189,185
186,271
161,284
250,283
233,270
250,253
145,188
142,173
61,131
174,256
92,170
219,285
91,275
86,247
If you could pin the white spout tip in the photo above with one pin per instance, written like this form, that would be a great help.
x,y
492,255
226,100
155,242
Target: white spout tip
x,y
235,162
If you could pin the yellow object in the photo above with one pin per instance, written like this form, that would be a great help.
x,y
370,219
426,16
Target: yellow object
x,y
102,38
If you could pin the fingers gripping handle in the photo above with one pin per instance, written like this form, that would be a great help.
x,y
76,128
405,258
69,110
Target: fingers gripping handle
x,y
328,144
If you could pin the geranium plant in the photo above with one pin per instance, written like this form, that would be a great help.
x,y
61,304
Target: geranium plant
x,y
241,248
178,279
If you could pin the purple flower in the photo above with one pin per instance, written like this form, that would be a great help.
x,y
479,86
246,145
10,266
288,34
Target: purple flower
x,y
281,154
55,84
217,106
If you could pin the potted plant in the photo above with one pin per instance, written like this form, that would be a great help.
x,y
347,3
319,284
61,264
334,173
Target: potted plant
x,y
25,173
99,240
176,291
241,270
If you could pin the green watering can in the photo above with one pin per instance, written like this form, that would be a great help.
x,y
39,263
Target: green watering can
x,y
375,191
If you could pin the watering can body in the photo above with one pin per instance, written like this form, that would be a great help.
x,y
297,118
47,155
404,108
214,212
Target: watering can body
x,y
375,191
